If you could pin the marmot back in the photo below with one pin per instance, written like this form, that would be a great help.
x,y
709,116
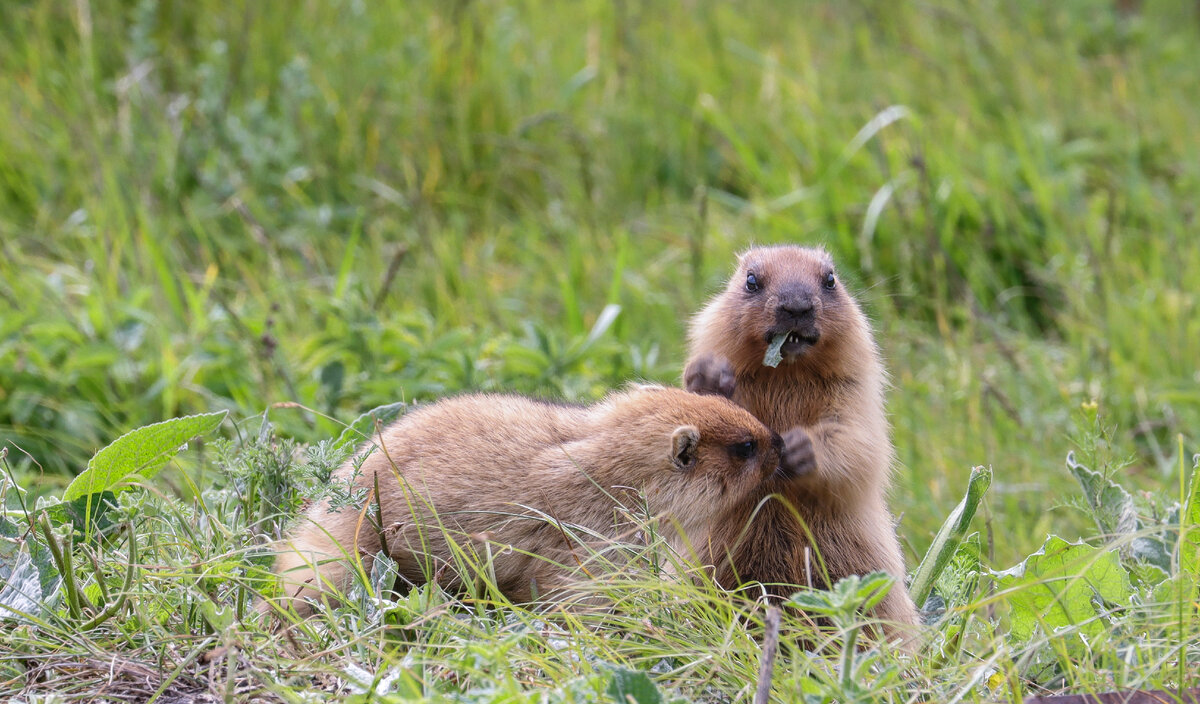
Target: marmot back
x,y
539,484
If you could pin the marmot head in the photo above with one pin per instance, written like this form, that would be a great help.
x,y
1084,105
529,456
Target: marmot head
x,y
713,451
787,295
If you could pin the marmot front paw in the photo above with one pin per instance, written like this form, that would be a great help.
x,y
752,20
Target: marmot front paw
x,y
798,458
710,374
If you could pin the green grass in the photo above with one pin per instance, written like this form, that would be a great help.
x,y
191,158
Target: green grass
x,y
225,206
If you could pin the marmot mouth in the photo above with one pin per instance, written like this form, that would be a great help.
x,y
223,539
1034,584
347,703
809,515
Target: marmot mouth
x,y
798,342
796,338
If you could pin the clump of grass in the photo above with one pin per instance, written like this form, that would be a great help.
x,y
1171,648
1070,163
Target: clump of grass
x,y
161,583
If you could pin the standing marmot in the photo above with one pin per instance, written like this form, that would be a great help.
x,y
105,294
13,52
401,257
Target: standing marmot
x,y
784,305
541,484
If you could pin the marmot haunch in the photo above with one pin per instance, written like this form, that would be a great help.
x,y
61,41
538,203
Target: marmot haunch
x,y
518,475
826,396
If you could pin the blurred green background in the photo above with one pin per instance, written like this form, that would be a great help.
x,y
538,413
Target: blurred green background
x,y
208,205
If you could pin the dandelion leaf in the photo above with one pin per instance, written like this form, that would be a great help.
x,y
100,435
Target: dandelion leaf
x,y
1064,584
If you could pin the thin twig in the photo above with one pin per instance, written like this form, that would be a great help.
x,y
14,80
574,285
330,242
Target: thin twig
x,y
770,648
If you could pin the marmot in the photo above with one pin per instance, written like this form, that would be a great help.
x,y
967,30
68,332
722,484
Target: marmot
x,y
786,306
518,476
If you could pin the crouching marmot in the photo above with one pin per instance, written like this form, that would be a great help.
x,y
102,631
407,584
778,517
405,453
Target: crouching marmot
x,y
787,342
537,486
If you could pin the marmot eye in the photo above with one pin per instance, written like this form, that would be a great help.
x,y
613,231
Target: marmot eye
x,y
830,281
743,450
751,283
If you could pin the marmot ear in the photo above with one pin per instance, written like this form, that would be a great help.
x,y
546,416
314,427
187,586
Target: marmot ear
x,y
685,446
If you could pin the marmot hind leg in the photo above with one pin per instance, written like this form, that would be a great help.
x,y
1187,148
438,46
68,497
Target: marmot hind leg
x,y
315,563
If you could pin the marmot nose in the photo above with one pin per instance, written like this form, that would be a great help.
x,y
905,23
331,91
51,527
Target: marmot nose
x,y
777,442
796,307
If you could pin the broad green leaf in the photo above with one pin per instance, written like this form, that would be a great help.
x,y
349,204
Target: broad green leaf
x,y
1171,591
15,539
1189,528
633,687
219,618
849,595
875,586
20,587
88,515
1060,586
395,685
951,534
1112,506
363,427
1115,515
1153,551
142,452
814,601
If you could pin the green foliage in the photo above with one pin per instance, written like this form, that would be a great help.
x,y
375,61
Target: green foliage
x,y
1065,585
365,426
28,577
1188,557
141,453
635,687
843,602
87,515
1113,509
861,675
950,537
956,586
1066,602
21,593
330,207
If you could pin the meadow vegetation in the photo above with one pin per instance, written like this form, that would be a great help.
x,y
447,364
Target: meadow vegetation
x,y
298,212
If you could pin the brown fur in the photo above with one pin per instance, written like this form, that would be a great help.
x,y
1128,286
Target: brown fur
x,y
519,475
827,398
